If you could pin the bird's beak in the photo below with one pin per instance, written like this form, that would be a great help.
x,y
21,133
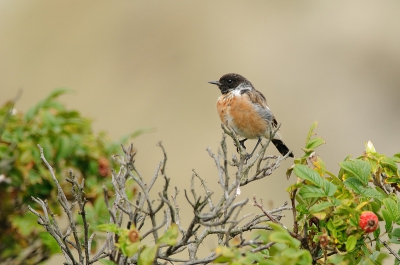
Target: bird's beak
x,y
214,82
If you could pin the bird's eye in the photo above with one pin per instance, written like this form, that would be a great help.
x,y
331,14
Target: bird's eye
x,y
229,81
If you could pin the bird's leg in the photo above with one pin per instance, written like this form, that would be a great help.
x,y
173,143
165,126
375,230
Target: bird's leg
x,y
251,154
242,143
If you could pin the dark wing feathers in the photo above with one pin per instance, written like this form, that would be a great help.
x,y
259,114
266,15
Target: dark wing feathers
x,y
261,105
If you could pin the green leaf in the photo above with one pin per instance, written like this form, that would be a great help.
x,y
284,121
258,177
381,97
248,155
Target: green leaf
x,y
276,227
336,259
255,256
351,243
320,207
396,158
358,168
147,255
370,192
395,236
388,220
281,235
311,192
30,114
57,92
109,228
224,254
377,233
389,163
307,173
64,147
130,249
314,143
49,241
311,131
284,238
48,119
354,184
392,208
171,236
26,223
106,262
320,215
47,148
378,257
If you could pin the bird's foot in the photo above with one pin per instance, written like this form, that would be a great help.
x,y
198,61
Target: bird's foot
x,y
247,157
242,144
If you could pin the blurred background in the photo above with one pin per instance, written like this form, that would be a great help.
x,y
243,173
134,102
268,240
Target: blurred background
x,y
146,64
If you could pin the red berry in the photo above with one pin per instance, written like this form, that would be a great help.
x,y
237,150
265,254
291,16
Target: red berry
x,y
368,221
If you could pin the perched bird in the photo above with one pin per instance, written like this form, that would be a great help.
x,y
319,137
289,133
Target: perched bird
x,y
245,110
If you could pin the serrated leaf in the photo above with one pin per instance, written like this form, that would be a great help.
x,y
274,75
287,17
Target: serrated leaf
x,y
370,192
311,192
147,255
358,168
170,237
307,173
391,207
351,243
388,220
354,184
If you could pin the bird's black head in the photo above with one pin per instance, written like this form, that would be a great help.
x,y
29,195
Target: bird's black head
x,y
230,82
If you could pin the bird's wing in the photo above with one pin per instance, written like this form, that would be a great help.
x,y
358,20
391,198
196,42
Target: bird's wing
x,y
260,103
261,106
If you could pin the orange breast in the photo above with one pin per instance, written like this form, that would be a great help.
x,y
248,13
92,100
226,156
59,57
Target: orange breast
x,y
238,112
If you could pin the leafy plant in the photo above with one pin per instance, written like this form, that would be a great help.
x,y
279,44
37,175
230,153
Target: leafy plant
x,y
329,206
69,142
335,216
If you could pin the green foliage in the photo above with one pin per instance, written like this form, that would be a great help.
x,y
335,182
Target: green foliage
x,y
129,241
68,142
328,209
329,206
170,237
282,249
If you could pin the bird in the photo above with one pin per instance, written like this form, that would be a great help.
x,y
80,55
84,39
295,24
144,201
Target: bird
x,y
245,110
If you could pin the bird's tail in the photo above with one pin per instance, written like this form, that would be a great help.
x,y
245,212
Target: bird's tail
x,y
282,148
